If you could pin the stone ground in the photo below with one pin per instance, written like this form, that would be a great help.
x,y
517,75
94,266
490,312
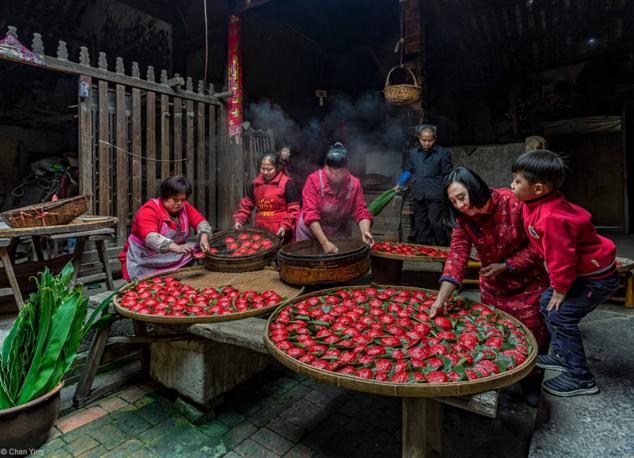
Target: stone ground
x,y
278,413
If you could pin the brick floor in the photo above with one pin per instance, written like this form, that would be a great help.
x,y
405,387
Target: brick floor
x,y
278,414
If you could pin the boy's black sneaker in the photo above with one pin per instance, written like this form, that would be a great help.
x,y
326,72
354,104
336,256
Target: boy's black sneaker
x,y
550,361
566,385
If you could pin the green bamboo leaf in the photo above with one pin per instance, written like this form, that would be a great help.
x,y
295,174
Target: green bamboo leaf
x,y
92,320
45,311
66,275
61,323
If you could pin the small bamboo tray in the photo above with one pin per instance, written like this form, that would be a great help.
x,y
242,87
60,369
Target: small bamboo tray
x,y
422,258
44,214
422,390
224,263
199,277
626,264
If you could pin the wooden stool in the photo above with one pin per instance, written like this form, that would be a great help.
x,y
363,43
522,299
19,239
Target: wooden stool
x,y
625,293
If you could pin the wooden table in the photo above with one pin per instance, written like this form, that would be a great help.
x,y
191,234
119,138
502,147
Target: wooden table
x,y
422,409
626,282
95,228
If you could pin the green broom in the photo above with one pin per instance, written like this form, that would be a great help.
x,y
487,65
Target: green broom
x,y
377,205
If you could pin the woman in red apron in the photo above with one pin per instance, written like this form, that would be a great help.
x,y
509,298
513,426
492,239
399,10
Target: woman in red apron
x,y
160,230
274,197
330,198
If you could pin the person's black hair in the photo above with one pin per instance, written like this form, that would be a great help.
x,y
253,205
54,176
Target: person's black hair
x,y
337,156
174,186
541,166
272,157
479,192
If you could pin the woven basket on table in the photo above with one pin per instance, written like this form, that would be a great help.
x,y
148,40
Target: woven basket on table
x,y
401,94
55,213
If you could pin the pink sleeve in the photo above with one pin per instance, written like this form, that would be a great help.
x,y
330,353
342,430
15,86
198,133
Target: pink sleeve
x,y
458,259
310,201
359,207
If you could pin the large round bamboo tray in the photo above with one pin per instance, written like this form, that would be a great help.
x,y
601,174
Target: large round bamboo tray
x,y
304,263
224,263
199,277
421,390
399,257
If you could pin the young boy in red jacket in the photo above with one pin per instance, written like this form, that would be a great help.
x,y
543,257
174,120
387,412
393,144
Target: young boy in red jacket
x,y
580,264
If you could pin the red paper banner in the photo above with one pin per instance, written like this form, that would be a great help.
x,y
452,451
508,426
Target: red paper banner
x,y
234,104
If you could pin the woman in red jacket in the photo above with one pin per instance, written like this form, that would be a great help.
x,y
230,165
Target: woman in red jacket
x,y
274,197
512,277
330,198
160,230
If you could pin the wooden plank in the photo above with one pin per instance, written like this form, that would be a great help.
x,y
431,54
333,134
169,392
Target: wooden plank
x,y
86,140
211,163
137,190
121,202
201,156
105,166
165,137
178,135
227,178
66,66
422,428
482,403
189,140
150,144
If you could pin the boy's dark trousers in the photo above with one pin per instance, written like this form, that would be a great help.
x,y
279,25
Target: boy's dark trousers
x,y
565,339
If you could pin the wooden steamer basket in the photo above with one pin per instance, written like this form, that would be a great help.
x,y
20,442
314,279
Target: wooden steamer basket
x,y
55,213
304,263
420,390
224,263
199,277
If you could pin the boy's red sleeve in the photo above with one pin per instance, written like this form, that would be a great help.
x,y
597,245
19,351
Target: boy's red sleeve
x,y
195,218
559,242
458,258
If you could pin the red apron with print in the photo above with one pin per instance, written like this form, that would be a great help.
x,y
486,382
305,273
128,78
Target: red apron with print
x,y
270,204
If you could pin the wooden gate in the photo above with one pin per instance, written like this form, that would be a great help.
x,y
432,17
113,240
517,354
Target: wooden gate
x,y
135,131
256,143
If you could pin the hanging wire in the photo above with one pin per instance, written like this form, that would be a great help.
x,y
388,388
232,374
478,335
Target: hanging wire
x,y
400,44
140,156
206,40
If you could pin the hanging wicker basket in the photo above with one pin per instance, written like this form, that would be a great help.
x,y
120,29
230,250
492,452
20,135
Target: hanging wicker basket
x,y
401,94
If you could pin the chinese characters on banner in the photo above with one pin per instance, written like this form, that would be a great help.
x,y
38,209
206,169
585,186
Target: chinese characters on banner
x,y
234,104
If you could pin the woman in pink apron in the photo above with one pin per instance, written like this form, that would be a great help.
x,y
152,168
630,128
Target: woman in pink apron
x,y
160,230
332,196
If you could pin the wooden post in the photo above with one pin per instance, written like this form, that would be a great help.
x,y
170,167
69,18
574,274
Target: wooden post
x,y
189,140
105,198
422,428
150,143
211,163
137,191
165,137
201,156
178,135
86,139
122,164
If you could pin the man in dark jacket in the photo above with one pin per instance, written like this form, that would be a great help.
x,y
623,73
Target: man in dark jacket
x,y
428,165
